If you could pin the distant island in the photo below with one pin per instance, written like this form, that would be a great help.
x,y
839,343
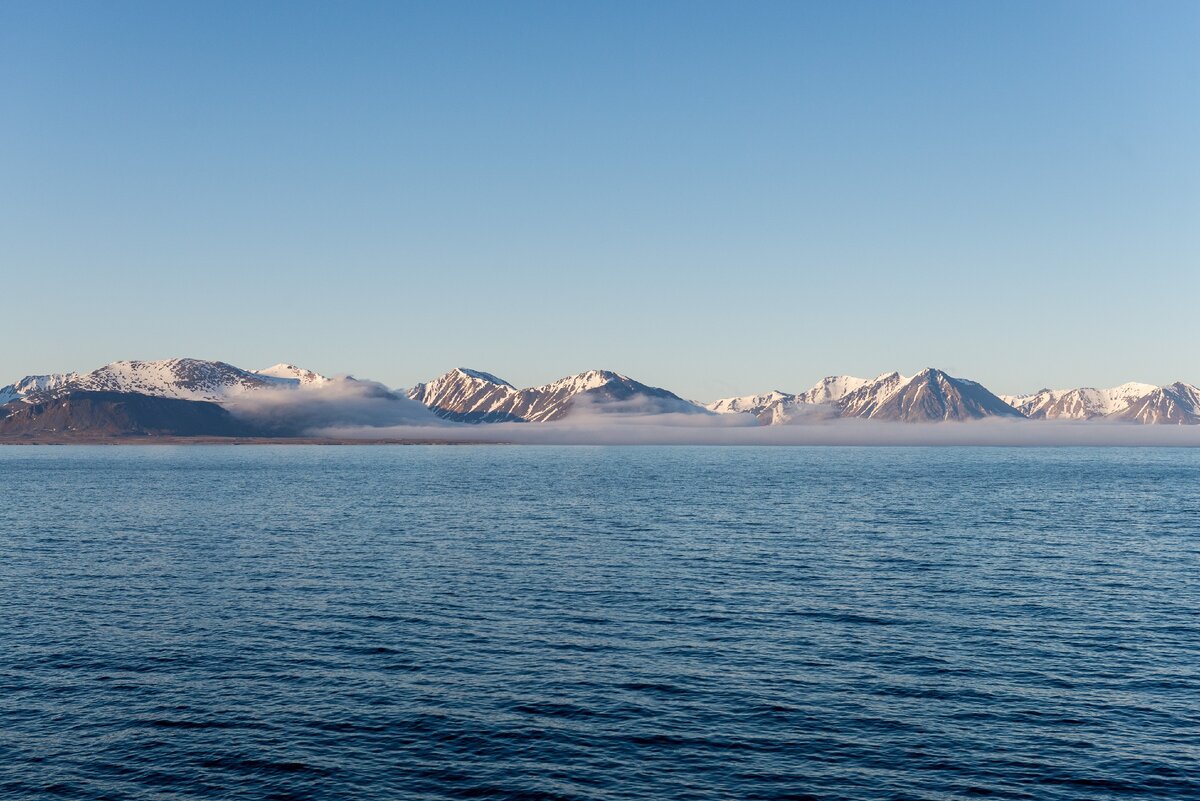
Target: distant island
x,y
195,400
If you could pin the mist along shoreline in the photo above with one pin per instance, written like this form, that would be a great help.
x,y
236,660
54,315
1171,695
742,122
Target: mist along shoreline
x,y
176,440
151,439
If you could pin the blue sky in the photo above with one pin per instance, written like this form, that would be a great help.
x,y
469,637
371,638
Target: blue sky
x,y
719,198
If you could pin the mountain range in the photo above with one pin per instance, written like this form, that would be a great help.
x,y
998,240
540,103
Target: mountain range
x,y
191,397
185,379
929,396
471,396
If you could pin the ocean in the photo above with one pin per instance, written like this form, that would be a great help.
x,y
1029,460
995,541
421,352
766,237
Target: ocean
x,y
509,622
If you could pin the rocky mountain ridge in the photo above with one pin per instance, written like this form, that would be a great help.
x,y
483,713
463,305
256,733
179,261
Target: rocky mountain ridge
x,y
472,396
475,396
930,396
182,379
1083,403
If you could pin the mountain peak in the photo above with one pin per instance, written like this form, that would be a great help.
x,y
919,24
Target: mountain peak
x,y
480,376
931,395
290,373
749,404
831,388
932,373
477,397
1083,403
467,395
582,382
1177,403
181,378
185,378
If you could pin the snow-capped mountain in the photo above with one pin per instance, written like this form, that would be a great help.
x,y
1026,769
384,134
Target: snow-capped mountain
x,y
186,379
469,396
473,396
1174,404
290,373
1084,403
776,408
832,389
750,404
832,396
861,402
477,397
35,383
929,396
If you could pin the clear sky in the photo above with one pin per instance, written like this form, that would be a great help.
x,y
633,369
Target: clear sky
x,y
719,198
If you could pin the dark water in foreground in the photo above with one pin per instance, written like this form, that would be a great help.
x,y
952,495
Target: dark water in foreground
x,y
592,623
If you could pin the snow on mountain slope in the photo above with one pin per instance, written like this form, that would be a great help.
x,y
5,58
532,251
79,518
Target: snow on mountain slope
x,y
476,397
575,384
290,373
749,404
1174,404
1083,403
818,401
775,407
929,396
185,379
483,376
832,388
468,395
31,384
602,391
188,379
861,402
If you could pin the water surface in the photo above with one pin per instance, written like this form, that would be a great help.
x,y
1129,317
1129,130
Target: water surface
x,y
599,623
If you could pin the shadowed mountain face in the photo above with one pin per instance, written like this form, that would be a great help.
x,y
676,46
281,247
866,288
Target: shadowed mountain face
x,y
113,414
472,396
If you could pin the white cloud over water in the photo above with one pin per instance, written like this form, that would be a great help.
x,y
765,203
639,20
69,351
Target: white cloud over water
x,y
687,430
364,410
343,402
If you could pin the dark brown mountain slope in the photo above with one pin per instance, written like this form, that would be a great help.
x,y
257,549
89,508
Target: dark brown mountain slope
x,y
117,414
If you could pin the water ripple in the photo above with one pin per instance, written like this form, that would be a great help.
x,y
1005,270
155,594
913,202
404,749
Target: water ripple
x,y
599,623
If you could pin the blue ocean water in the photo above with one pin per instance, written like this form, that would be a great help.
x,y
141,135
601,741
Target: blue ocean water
x,y
599,623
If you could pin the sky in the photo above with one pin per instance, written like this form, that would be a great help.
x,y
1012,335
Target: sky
x,y
718,198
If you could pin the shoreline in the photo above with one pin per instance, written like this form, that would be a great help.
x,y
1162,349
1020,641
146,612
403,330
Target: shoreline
x,y
176,440
121,441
